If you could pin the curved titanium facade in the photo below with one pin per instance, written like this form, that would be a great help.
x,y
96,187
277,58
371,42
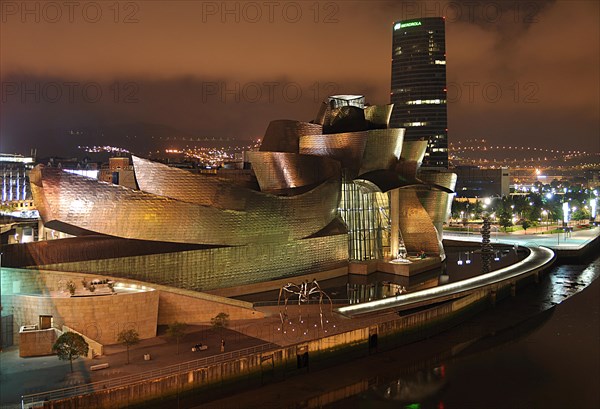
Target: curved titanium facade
x,y
281,219
379,116
411,158
284,172
81,203
416,227
358,152
437,202
283,135
182,185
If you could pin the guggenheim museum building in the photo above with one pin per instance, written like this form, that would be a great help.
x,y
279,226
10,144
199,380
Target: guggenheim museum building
x,y
321,197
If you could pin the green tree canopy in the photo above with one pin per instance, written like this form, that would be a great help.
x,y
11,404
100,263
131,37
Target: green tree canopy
x,y
70,346
505,219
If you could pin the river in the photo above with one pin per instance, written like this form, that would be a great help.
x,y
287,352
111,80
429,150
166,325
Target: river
x,y
536,350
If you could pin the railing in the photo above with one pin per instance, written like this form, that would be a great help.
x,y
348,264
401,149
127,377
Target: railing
x,y
27,400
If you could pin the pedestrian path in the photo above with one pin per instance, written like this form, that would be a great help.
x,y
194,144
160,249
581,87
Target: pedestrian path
x,y
575,240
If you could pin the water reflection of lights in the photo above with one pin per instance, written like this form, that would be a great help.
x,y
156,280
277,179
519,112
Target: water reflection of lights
x,y
416,388
400,261
467,258
565,285
537,258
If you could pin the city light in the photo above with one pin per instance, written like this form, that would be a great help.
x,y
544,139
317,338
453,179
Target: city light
x,y
565,207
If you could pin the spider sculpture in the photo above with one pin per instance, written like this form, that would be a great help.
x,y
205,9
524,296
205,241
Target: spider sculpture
x,y
303,291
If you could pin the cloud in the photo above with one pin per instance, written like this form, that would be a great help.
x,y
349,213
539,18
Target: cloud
x,y
532,67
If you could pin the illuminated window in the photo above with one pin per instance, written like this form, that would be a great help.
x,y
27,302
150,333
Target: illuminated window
x,y
426,101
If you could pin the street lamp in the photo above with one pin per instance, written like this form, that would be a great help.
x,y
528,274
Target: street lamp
x,y
566,209
545,213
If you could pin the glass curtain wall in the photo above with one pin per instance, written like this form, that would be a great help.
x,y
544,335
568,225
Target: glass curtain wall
x,y
367,217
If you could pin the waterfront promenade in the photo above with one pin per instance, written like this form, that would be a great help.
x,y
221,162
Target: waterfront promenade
x,y
301,325
570,242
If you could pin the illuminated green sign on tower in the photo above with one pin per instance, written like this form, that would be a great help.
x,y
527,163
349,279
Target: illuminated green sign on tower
x,y
408,24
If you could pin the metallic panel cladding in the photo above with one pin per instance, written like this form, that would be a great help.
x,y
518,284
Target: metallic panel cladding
x,y
94,206
359,152
437,202
221,267
283,135
282,171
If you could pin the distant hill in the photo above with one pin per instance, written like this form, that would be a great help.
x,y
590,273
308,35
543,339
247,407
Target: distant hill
x,y
139,138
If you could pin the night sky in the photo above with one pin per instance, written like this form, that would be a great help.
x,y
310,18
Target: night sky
x,y
215,69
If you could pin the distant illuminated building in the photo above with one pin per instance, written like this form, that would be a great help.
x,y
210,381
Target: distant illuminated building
x,y
14,181
418,89
119,172
477,182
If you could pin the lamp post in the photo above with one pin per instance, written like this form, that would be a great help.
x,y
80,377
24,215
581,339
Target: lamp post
x,y
545,213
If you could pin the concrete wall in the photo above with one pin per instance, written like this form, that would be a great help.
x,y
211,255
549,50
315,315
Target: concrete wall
x,y
174,306
100,318
37,342
25,295
95,348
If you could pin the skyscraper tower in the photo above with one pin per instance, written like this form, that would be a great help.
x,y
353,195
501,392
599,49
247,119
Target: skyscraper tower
x,y
418,89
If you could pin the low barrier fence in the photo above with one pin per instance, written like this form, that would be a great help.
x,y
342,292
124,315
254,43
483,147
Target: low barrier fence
x,y
36,398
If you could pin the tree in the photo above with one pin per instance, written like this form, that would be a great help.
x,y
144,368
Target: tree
x,y
221,320
70,346
525,224
128,337
505,220
176,331
580,214
478,209
70,287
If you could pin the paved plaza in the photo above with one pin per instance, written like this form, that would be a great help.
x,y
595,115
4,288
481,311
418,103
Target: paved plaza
x,y
575,240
